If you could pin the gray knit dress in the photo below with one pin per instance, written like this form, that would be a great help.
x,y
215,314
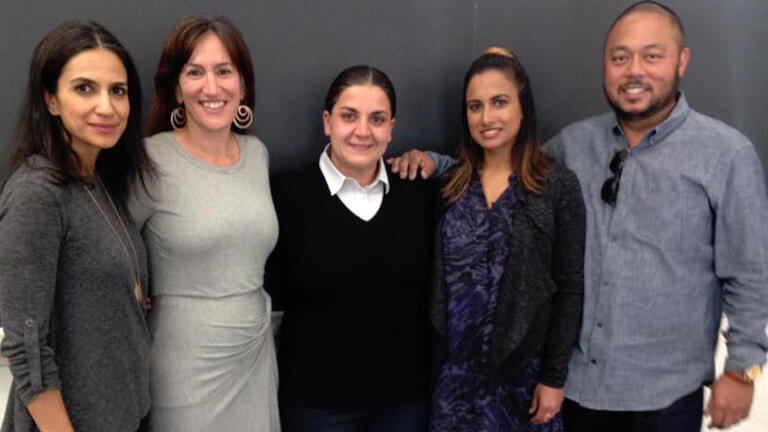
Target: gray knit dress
x,y
209,231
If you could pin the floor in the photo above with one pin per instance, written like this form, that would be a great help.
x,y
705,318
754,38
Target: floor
x,y
757,422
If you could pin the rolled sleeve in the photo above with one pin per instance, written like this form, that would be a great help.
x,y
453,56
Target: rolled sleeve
x,y
442,162
741,258
30,235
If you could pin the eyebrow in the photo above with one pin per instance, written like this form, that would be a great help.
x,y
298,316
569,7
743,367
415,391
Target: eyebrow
x,y
496,96
355,111
229,63
626,48
84,80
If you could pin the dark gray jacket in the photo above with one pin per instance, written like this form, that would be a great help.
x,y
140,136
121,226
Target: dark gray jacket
x,y
540,293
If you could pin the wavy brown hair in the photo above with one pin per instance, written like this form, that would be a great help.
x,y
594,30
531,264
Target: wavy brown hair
x,y
530,163
178,48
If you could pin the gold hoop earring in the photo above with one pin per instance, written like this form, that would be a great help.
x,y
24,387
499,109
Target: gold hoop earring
x,y
243,117
178,117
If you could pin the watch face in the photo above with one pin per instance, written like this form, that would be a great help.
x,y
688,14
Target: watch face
x,y
753,372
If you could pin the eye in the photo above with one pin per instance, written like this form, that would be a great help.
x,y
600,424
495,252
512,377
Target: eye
x,y
474,107
225,71
119,90
193,73
348,116
500,102
83,88
619,58
653,57
378,120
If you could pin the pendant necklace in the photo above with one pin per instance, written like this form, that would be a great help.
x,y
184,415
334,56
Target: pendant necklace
x,y
137,291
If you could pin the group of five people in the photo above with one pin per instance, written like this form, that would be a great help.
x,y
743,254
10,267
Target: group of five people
x,y
470,327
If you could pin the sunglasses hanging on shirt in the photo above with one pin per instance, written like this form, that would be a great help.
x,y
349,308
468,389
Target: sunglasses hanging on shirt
x,y
610,190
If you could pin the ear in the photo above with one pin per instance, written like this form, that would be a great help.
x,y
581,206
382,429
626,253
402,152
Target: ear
x,y
179,99
392,124
682,63
327,123
52,103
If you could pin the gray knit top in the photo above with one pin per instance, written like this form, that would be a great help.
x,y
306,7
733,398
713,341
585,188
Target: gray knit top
x,y
70,315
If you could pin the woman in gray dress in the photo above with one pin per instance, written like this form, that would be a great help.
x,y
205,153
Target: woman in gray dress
x,y
209,228
72,267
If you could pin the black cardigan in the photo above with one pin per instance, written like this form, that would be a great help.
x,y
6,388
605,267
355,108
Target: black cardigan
x,y
541,290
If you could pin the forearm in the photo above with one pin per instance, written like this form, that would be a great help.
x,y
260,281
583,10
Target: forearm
x,y
49,413
563,330
442,162
741,249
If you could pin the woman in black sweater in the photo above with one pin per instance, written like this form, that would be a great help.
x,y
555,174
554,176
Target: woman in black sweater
x,y
351,270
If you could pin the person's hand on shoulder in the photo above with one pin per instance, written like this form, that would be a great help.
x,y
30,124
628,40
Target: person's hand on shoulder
x,y
409,163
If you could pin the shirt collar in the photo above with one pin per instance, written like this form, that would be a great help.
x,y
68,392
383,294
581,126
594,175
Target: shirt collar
x,y
335,179
663,129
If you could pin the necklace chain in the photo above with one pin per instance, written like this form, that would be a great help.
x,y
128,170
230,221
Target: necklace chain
x,y
138,292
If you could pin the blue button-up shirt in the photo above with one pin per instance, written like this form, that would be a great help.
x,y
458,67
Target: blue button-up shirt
x,y
687,238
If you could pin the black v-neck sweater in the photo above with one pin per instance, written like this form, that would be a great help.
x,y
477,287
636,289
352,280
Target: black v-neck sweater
x,y
354,333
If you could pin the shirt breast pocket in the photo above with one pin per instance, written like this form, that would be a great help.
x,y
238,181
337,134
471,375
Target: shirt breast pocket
x,y
658,205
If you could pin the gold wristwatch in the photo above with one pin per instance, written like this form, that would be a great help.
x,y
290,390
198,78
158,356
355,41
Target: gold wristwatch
x,y
749,375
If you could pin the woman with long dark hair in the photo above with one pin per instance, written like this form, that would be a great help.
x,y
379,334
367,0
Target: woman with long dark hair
x,y
508,285
72,265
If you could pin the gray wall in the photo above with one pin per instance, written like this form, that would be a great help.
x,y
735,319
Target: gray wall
x,y
298,46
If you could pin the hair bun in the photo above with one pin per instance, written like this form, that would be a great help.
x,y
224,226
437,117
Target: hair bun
x,y
500,51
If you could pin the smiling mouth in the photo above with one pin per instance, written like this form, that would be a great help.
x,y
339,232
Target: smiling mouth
x,y
633,90
361,147
212,105
104,128
490,133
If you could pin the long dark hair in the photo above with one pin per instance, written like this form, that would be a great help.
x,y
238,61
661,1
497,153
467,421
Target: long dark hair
x,y
531,164
178,48
40,133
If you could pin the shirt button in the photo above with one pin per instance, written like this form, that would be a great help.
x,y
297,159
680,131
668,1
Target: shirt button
x,y
599,325
593,361
29,323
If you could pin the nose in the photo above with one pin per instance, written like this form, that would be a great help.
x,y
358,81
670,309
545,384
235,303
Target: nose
x,y
486,116
363,128
210,84
104,105
634,67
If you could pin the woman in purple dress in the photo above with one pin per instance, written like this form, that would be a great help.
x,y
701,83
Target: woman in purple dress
x,y
508,287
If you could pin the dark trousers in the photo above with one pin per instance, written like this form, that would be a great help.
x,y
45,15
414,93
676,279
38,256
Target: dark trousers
x,y
399,418
684,415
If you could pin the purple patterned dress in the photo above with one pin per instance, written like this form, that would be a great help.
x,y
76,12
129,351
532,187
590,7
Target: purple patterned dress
x,y
475,246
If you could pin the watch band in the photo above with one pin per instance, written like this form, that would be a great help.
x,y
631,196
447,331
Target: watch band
x,y
749,375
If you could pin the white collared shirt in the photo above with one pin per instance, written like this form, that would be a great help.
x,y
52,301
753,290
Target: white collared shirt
x,y
363,202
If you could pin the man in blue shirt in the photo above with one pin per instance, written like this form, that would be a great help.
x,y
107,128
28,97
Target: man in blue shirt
x,y
676,234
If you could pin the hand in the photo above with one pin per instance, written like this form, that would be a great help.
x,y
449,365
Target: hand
x,y
546,403
408,163
729,402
